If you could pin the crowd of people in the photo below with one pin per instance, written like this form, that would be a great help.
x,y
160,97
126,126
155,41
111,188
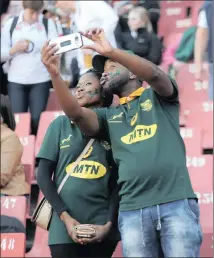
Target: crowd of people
x,y
131,184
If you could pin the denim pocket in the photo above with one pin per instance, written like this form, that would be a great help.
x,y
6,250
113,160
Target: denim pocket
x,y
193,208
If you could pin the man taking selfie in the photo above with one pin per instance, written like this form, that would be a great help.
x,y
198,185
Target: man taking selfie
x,y
159,213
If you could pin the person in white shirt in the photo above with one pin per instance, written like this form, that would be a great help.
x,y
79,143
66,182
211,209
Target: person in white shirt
x,y
29,81
203,42
90,14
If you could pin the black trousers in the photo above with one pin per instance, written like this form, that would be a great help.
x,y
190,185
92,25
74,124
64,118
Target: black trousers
x,y
103,249
32,96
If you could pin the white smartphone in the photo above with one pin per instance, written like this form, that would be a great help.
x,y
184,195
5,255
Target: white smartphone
x,y
68,43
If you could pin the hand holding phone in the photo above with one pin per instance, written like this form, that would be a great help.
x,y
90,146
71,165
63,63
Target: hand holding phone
x,y
68,43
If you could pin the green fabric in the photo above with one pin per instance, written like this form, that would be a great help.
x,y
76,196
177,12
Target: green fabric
x,y
86,191
148,149
185,51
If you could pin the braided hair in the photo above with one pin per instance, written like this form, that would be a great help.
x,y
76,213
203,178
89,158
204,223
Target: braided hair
x,y
107,97
6,113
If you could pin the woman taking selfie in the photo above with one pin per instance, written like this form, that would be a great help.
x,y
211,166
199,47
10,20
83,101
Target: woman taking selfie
x,y
90,194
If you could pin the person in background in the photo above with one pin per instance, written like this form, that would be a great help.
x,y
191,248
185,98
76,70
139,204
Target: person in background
x,y
29,81
153,8
86,15
140,38
203,42
12,172
4,7
94,191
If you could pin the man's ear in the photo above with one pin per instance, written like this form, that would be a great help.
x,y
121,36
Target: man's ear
x,y
132,76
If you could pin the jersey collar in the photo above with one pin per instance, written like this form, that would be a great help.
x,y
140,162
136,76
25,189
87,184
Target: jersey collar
x,y
133,95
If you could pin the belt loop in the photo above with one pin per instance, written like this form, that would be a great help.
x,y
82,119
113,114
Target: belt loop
x,y
159,219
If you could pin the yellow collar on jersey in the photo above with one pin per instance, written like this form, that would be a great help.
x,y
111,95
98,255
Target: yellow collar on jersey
x,y
135,94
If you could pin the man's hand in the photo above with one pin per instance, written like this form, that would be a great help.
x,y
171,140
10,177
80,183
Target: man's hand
x,y
50,60
20,47
101,233
70,224
101,44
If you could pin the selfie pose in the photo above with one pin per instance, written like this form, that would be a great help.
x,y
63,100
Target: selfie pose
x,y
90,194
159,212
22,39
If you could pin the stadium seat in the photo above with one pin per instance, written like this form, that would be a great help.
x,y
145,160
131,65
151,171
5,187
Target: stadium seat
x,y
201,116
53,103
13,245
14,206
40,247
207,245
28,157
201,175
118,251
193,140
23,121
46,118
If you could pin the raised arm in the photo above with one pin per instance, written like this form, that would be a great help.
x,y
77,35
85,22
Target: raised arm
x,y
142,68
86,119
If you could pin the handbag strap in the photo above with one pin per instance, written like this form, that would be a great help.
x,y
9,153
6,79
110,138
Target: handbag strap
x,y
75,164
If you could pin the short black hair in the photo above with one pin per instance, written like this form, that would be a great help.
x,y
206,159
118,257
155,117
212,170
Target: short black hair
x,y
4,6
6,113
108,98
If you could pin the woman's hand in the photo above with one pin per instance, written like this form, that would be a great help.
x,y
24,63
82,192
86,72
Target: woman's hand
x,y
51,61
101,44
70,224
101,233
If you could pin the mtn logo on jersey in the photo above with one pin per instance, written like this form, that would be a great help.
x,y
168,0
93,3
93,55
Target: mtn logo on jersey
x,y
146,105
140,133
87,169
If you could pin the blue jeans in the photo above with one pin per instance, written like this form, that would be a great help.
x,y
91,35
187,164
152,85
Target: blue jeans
x,y
167,230
32,96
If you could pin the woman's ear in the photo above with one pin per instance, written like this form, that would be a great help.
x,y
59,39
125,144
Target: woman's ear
x,y
132,76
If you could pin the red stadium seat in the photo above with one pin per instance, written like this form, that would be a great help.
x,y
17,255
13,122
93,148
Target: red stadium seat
x,y
23,124
201,174
12,245
46,118
201,116
28,157
118,251
193,140
53,103
40,247
14,206
207,245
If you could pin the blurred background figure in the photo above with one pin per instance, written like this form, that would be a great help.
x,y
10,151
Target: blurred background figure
x,y
86,15
140,38
153,8
22,40
12,172
204,42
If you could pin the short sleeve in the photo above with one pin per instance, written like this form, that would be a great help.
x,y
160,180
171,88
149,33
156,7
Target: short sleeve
x,y
202,20
50,146
174,98
103,125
